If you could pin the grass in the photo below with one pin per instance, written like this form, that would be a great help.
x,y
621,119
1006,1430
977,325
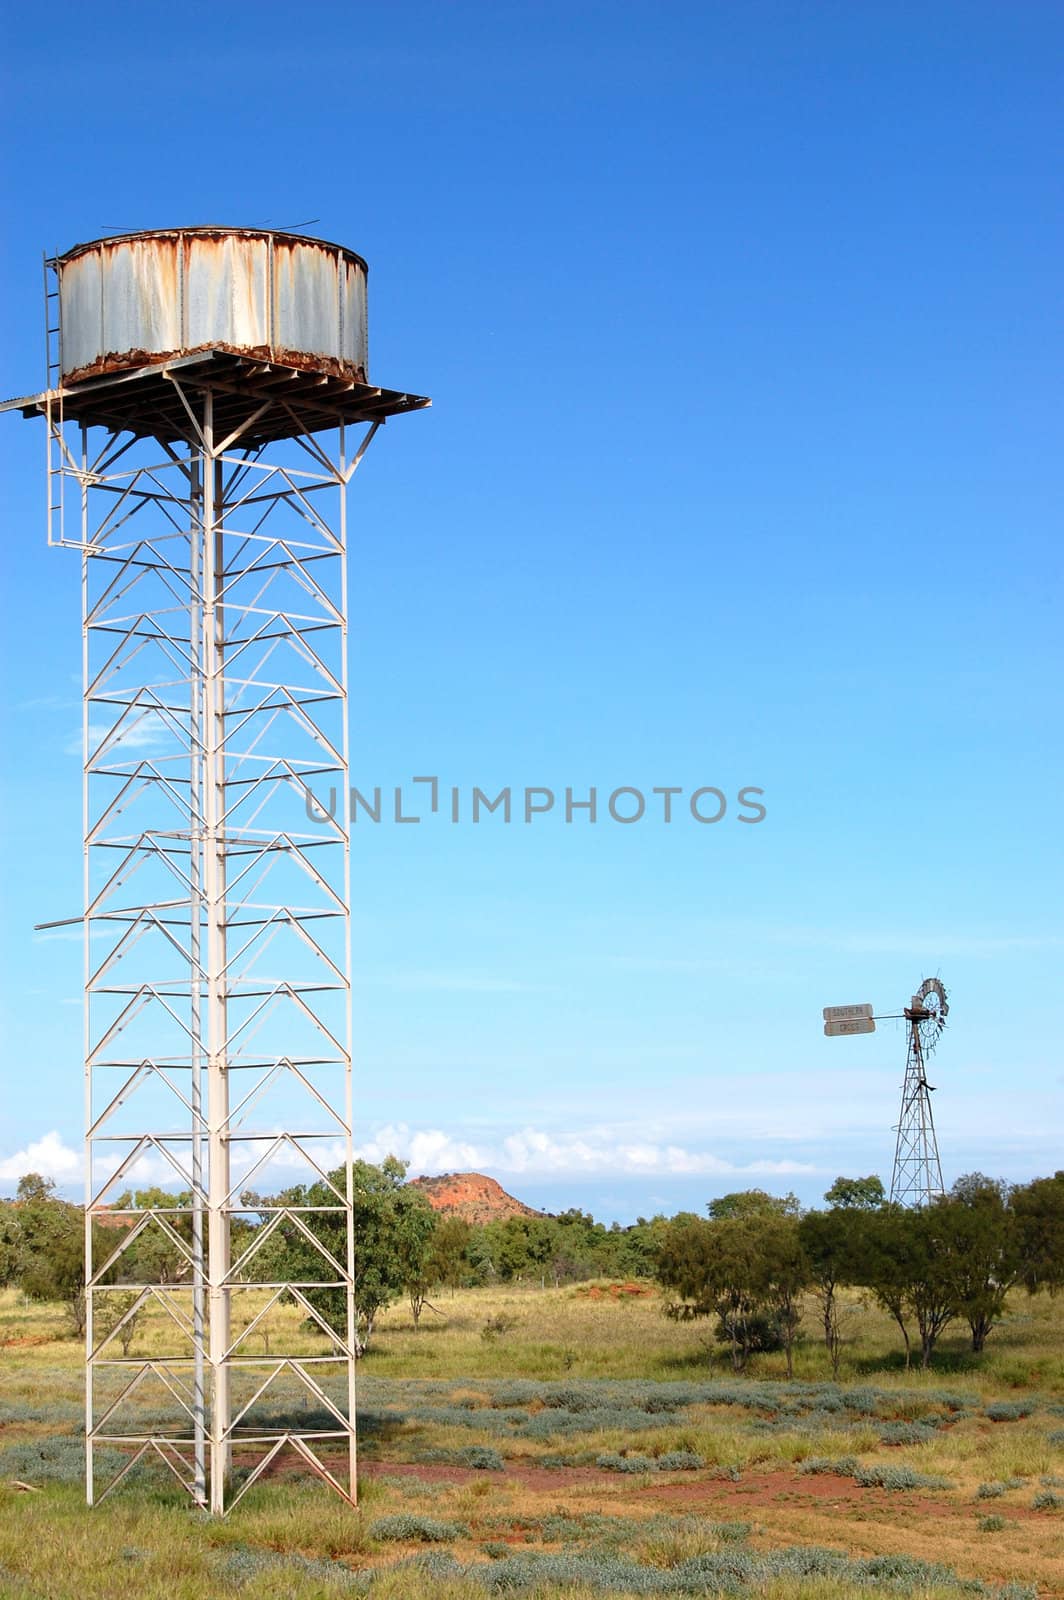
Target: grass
x,y
588,1447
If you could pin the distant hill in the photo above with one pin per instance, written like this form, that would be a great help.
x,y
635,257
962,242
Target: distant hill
x,y
472,1196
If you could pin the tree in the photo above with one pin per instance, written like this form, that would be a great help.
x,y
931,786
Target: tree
x,y
753,1203
153,1257
392,1222
50,1248
856,1194
414,1229
828,1240
642,1242
883,1252
906,1258
785,1275
1039,1211
981,1238
746,1268
581,1248
518,1246
32,1187
480,1253
9,1243
447,1252
129,1306
932,1290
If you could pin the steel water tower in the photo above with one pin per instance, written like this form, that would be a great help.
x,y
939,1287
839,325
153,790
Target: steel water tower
x,y
207,405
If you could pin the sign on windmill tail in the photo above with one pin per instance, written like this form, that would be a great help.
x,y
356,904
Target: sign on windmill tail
x,y
842,1020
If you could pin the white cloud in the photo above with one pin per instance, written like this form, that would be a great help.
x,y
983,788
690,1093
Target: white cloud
x,y
535,1152
49,1156
428,1150
530,1151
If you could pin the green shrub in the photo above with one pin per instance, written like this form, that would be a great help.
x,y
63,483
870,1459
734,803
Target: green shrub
x,y
733,1571
60,1458
482,1457
680,1461
906,1432
845,1466
610,1461
1008,1410
404,1526
494,1327
898,1478
241,1565
990,1491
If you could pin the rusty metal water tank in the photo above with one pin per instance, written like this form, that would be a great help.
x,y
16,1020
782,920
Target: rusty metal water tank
x,y
141,298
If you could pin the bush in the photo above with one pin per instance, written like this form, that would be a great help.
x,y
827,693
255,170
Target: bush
x,y
680,1461
610,1461
405,1526
60,1458
1008,1410
906,1432
482,1457
61,1413
991,1491
732,1571
574,1399
991,1524
898,1478
845,1466
494,1327
241,1564
1046,1500
762,1331
615,1419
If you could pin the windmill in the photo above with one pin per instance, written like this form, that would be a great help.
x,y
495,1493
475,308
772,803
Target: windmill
x,y
917,1176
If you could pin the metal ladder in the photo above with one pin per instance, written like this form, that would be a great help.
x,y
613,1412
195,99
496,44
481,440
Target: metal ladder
x,y
53,399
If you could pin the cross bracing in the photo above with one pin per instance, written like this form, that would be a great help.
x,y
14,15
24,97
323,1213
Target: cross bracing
x,y
216,916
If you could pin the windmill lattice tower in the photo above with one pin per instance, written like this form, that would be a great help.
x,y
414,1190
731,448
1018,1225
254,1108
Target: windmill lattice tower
x,y
917,1175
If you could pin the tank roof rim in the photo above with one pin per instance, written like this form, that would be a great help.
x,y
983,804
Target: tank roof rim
x,y
216,228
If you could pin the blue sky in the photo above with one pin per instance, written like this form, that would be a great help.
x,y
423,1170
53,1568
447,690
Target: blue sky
x,y
742,326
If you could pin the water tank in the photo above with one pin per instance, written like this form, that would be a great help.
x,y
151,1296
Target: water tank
x,y
141,298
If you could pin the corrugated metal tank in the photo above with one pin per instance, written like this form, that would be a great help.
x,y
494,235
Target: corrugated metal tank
x,y
140,298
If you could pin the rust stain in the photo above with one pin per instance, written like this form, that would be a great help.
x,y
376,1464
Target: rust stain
x,y
300,360
208,236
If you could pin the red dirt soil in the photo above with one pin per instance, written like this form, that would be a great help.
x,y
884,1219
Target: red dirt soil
x,y
755,1491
